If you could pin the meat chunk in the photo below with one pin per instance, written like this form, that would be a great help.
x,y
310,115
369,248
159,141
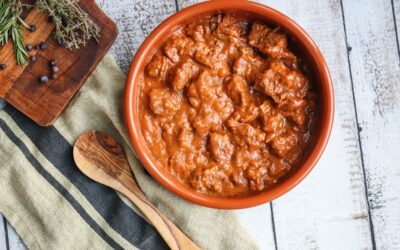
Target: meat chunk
x,y
221,147
213,60
152,134
271,42
258,35
201,29
178,46
252,136
257,177
239,92
159,67
181,163
230,26
283,54
209,179
183,73
185,138
243,114
263,37
213,105
296,110
284,143
278,169
164,103
273,122
283,84
248,67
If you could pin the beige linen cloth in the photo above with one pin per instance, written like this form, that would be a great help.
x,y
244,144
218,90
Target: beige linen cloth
x,y
53,206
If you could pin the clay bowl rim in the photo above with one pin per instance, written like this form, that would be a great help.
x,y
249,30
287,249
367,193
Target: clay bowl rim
x,y
131,103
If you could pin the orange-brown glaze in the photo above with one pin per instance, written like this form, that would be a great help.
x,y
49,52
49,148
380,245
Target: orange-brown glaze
x,y
225,107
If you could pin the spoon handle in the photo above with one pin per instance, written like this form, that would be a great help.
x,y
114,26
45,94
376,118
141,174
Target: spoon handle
x,y
172,235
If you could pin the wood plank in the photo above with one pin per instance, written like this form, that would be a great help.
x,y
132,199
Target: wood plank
x,y
186,3
14,241
375,67
3,235
135,19
257,220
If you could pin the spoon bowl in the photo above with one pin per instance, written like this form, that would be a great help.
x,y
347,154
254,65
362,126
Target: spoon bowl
x,y
102,159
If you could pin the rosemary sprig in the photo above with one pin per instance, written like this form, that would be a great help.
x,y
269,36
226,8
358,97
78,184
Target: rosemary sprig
x,y
21,54
74,28
10,27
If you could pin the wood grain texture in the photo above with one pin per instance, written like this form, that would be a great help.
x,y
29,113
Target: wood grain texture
x,y
258,222
43,103
10,76
375,67
135,19
102,159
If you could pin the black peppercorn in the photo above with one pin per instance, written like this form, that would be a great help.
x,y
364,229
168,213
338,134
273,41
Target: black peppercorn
x,y
29,47
43,79
50,19
32,28
3,66
33,58
42,46
53,63
54,69
64,21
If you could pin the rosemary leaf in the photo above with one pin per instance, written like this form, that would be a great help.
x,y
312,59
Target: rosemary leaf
x,y
10,27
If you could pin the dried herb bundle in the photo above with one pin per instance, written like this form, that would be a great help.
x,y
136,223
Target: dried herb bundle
x,y
73,25
74,28
11,26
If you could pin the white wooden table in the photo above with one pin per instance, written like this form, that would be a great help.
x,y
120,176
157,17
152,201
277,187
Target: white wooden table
x,y
352,198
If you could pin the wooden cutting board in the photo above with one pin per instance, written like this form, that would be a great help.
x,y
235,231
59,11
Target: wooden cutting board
x,y
45,102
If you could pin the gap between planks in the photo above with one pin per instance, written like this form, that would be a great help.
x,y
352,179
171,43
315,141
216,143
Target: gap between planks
x,y
371,225
375,64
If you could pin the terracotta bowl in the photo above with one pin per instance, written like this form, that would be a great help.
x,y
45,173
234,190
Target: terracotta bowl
x,y
321,80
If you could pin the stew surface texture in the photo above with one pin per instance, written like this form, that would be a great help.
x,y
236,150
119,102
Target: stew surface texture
x,y
225,105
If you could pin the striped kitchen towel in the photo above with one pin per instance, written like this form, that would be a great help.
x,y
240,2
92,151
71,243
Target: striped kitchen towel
x,y
53,206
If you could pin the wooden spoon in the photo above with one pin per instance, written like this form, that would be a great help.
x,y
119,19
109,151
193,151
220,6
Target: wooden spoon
x,y
102,159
